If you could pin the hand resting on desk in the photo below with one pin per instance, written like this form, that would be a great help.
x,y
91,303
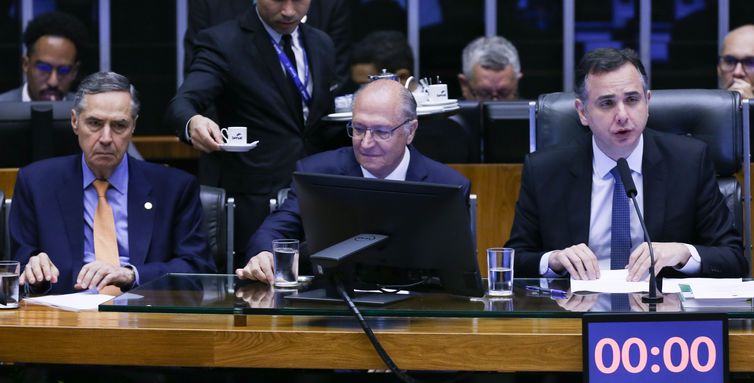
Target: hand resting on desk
x,y
260,268
100,274
581,263
667,254
39,269
578,260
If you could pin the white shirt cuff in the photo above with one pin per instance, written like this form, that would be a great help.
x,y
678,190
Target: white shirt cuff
x,y
186,131
694,264
544,268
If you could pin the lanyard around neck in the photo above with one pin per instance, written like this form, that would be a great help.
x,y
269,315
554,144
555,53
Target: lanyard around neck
x,y
292,71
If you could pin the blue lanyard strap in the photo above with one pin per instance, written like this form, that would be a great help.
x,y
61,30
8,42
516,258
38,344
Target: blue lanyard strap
x,y
292,71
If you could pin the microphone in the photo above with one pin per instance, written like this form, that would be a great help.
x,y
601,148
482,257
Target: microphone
x,y
628,184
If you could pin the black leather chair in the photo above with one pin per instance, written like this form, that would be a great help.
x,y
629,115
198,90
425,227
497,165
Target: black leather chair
x,y
217,220
711,115
505,134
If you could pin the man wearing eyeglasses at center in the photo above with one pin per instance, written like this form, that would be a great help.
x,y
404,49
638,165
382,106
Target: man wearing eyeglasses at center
x,y
735,67
53,42
383,125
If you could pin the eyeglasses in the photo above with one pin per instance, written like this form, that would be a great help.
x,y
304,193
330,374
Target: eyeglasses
x,y
46,69
384,134
728,63
502,94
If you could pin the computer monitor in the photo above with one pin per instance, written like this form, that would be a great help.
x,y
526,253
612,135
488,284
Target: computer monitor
x,y
506,131
35,130
428,246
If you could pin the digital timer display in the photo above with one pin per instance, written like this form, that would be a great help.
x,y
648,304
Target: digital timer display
x,y
656,348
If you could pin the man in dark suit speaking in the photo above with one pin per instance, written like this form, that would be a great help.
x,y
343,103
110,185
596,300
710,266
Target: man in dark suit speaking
x,y
102,219
573,216
383,126
266,71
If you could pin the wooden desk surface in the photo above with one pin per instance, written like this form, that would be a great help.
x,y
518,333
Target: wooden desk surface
x,y
43,335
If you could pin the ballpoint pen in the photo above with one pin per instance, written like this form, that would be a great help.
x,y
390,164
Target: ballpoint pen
x,y
544,290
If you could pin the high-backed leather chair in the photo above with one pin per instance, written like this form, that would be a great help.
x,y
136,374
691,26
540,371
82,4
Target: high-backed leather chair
x,y
711,115
217,220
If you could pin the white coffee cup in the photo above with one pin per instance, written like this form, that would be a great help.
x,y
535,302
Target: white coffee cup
x,y
234,135
420,96
438,92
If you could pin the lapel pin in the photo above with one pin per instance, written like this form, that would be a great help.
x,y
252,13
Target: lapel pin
x,y
148,205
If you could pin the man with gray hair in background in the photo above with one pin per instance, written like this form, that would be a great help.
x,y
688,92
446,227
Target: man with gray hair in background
x,y
102,219
491,70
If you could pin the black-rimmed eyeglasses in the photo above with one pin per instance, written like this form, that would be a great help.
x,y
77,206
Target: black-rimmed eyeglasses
x,y
356,131
728,63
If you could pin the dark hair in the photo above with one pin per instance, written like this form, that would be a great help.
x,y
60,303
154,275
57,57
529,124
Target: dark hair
x,y
102,82
384,49
55,24
604,60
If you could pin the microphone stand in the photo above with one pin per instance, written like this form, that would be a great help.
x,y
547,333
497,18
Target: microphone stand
x,y
652,297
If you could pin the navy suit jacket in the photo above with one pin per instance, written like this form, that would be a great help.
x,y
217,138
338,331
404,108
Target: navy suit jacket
x,y
682,203
48,210
285,222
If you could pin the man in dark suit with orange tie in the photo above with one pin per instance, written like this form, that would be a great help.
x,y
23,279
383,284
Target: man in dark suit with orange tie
x,y
269,72
102,219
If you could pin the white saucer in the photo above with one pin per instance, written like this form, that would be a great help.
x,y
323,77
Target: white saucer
x,y
440,103
238,148
342,116
422,110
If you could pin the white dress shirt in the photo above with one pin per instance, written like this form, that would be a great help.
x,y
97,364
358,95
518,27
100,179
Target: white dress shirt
x,y
398,174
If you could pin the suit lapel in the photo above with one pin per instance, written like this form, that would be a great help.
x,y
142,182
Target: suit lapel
x,y
315,68
141,208
654,174
579,194
348,163
262,43
71,201
415,171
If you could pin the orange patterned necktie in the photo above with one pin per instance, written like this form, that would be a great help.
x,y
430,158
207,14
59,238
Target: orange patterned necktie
x,y
105,241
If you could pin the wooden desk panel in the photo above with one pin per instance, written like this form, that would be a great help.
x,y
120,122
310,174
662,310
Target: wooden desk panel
x,y
42,335
496,187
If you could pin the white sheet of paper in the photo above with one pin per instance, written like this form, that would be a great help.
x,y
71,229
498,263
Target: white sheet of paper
x,y
610,281
72,302
670,285
741,290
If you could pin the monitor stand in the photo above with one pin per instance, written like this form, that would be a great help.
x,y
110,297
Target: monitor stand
x,y
359,297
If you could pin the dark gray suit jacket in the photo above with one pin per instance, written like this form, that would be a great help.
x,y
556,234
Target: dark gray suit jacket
x,y
682,203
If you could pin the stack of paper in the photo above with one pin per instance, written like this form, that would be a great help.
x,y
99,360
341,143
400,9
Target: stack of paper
x,y
72,302
610,281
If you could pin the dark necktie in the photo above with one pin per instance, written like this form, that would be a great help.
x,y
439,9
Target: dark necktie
x,y
620,240
288,49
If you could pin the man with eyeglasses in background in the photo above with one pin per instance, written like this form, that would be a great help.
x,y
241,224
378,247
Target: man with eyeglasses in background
x,y
491,70
383,126
735,67
51,63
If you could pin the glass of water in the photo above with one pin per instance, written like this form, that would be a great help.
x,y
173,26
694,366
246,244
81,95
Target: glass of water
x,y
9,271
285,254
500,271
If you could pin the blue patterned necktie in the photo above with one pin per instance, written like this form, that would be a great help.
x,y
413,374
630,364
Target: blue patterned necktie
x,y
620,240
